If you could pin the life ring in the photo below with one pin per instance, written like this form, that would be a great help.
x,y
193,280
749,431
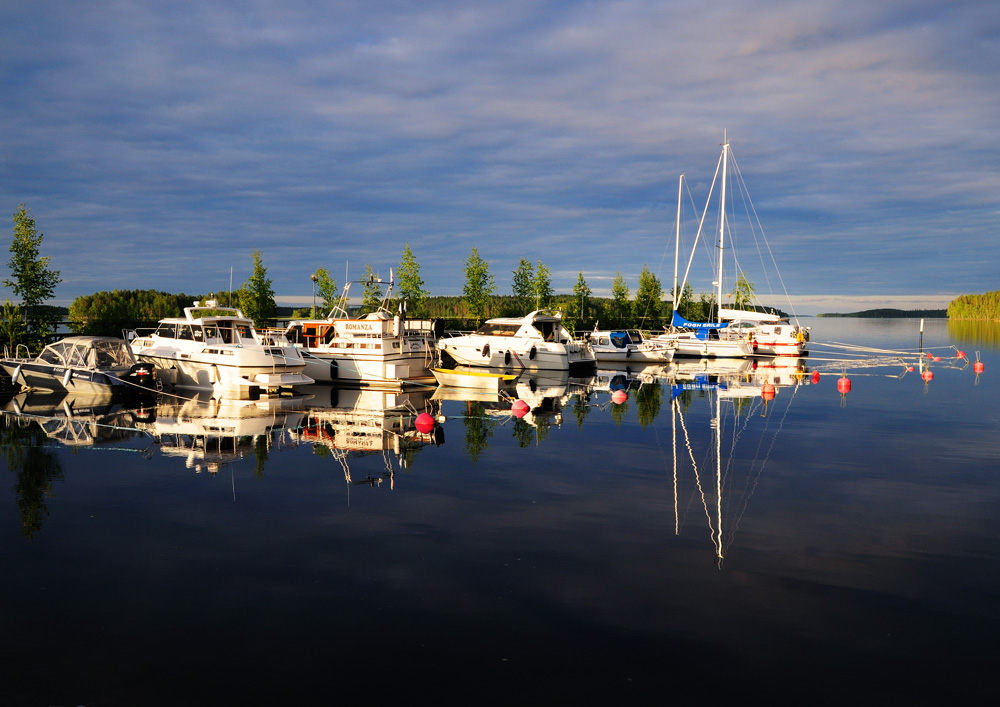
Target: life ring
x,y
531,354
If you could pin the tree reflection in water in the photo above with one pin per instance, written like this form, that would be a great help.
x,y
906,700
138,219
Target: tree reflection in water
x,y
37,470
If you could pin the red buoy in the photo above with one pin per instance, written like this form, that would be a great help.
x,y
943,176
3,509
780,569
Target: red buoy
x,y
815,377
960,354
424,423
978,367
910,368
927,376
618,397
937,358
930,355
767,392
520,408
843,385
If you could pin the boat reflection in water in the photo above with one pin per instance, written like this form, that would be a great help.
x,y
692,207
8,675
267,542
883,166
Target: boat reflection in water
x,y
75,419
208,432
348,423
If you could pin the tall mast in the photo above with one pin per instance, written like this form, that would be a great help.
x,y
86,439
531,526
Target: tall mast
x,y
722,223
677,240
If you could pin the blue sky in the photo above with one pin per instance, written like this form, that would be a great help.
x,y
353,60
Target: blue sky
x,y
158,143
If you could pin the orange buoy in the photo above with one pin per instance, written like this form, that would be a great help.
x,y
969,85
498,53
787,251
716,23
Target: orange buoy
x,y
910,368
960,354
618,397
843,385
815,377
978,367
520,408
927,376
424,423
767,392
937,358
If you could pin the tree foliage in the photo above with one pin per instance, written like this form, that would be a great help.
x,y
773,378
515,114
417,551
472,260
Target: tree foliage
x,y
411,285
31,279
542,286
256,295
984,306
581,299
648,300
523,286
326,288
111,313
621,309
743,292
372,296
479,285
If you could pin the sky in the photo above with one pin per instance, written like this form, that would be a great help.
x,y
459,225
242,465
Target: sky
x,y
158,143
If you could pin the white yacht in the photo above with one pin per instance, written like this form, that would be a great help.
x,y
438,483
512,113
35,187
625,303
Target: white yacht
x,y
535,342
628,346
379,348
217,348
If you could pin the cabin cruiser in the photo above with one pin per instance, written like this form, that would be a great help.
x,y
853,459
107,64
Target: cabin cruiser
x,y
628,346
767,334
217,348
538,341
82,364
378,348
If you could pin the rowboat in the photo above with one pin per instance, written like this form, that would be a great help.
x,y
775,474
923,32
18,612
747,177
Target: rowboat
x,y
485,381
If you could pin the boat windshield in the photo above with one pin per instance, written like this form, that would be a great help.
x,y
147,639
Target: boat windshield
x,y
498,329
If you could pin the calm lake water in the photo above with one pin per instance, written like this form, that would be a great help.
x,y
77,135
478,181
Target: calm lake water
x,y
695,543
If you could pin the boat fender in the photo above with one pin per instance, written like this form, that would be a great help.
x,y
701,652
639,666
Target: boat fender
x,y
213,374
17,374
628,353
755,344
506,357
486,350
67,376
531,354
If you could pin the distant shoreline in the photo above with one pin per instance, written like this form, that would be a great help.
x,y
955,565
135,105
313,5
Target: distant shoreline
x,y
892,314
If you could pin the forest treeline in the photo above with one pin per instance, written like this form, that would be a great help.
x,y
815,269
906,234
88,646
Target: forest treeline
x,y
984,306
892,314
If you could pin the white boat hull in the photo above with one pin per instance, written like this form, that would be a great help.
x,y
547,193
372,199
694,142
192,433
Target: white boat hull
x,y
529,355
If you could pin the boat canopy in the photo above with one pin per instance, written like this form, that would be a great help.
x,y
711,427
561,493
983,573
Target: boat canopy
x,y
679,321
744,315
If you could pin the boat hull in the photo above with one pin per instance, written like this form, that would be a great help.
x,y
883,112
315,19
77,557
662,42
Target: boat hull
x,y
213,374
504,353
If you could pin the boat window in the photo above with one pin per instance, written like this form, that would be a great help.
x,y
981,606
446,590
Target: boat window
x,y
198,333
53,354
244,331
211,332
77,356
226,332
605,341
184,332
111,354
777,330
166,330
498,329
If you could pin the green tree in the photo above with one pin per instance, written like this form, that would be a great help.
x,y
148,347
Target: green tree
x,y
743,292
326,288
648,300
12,326
31,279
522,285
542,286
256,295
411,285
581,294
479,285
621,309
372,297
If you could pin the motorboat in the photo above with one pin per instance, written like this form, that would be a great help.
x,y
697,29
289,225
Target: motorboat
x,y
379,348
535,342
218,348
767,334
83,364
628,346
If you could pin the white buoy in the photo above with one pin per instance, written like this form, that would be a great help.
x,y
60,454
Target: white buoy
x,y
17,374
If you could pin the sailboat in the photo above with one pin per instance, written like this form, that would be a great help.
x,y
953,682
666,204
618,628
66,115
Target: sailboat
x,y
735,333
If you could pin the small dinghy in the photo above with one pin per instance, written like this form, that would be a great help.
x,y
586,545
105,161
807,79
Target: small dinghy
x,y
485,381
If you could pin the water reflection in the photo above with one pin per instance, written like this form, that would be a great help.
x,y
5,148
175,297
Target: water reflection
x,y
207,433
354,423
977,333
